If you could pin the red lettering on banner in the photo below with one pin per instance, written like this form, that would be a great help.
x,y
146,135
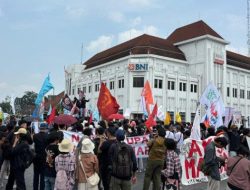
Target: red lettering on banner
x,y
194,148
190,165
140,151
137,139
130,141
144,139
75,138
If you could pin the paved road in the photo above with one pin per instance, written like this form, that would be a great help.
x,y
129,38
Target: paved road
x,y
137,186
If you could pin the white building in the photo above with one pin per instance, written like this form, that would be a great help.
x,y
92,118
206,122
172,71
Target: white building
x,y
178,69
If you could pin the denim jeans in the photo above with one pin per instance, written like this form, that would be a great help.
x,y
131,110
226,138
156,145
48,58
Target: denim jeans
x,y
49,183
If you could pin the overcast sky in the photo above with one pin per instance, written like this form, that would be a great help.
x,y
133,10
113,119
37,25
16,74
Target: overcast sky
x,y
42,36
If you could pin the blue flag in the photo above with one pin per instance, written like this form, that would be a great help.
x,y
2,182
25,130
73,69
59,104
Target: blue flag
x,y
35,113
47,86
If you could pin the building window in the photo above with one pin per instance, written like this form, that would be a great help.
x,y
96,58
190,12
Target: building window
x,y
112,85
228,92
138,82
193,88
97,87
73,91
248,95
171,85
235,92
242,94
158,83
171,113
183,116
192,117
121,83
183,86
90,89
84,89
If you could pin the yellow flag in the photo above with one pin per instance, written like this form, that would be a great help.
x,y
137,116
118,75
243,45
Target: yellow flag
x,y
178,117
167,119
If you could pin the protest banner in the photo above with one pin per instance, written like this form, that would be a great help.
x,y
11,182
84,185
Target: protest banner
x,y
237,119
229,111
192,154
73,137
139,144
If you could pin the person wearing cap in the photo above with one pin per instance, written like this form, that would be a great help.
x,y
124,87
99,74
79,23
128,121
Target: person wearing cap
x,y
40,142
18,147
88,162
66,161
117,182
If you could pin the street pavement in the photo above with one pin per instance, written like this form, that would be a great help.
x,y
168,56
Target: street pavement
x,y
137,186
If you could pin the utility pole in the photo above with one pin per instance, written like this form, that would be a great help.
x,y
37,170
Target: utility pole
x,y
248,26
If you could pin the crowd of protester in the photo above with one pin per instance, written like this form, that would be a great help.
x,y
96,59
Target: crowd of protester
x,y
102,160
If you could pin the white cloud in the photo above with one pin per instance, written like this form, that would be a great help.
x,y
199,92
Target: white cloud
x,y
136,21
75,13
132,33
101,43
117,17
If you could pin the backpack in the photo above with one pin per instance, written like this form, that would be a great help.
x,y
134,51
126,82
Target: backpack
x,y
25,159
122,163
61,182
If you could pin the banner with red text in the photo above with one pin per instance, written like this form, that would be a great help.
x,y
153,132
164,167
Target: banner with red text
x,y
192,153
73,137
139,144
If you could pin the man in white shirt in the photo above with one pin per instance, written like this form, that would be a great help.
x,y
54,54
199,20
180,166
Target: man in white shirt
x,y
169,134
178,137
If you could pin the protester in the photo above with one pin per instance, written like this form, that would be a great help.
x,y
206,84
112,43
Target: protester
x,y
234,140
213,162
52,152
122,163
104,156
40,143
178,137
87,165
169,134
172,171
65,165
238,170
156,157
245,134
20,156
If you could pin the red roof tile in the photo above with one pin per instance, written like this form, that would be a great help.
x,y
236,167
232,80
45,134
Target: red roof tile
x,y
143,44
238,60
190,31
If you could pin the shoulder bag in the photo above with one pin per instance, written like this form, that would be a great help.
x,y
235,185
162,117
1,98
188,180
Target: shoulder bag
x,y
92,180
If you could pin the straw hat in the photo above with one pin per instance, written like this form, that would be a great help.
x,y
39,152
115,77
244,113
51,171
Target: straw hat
x,y
65,146
21,131
87,146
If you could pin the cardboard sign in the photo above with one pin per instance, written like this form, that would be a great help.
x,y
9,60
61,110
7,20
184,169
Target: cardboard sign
x,y
192,154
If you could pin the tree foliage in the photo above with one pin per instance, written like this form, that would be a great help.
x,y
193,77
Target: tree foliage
x,y
26,104
6,105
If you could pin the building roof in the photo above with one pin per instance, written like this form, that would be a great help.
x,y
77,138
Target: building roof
x,y
190,31
144,44
238,60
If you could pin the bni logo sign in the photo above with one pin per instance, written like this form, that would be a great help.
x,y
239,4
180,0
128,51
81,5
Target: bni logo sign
x,y
137,67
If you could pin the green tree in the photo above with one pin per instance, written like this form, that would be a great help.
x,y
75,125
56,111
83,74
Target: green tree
x,y
6,106
26,104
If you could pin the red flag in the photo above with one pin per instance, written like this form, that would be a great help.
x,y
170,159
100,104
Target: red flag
x,y
52,116
106,103
151,119
147,94
90,118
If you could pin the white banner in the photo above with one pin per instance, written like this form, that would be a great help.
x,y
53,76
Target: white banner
x,y
192,154
139,144
73,137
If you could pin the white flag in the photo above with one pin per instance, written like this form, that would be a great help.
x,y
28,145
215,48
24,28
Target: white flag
x,y
160,113
214,105
196,132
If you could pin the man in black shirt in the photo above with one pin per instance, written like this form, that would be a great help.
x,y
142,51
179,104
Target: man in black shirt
x,y
40,141
104,157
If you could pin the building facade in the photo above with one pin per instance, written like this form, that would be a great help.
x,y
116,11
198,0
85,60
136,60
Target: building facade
x,y
178,69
